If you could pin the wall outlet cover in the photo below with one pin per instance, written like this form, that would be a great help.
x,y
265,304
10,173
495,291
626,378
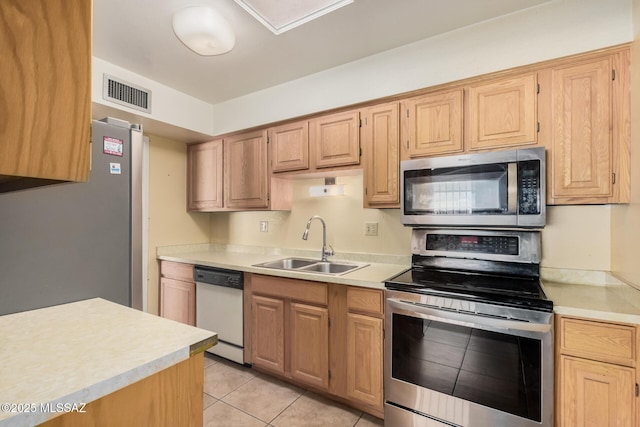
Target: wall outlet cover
x,y
264,226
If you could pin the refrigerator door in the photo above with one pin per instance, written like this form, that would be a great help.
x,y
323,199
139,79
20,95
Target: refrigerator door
x,y
71,241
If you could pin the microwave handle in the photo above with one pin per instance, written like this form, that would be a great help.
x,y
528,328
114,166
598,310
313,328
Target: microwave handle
x,y
512,188
450,316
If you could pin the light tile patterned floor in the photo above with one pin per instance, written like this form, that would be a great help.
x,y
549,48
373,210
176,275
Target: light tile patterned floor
x,y
237,396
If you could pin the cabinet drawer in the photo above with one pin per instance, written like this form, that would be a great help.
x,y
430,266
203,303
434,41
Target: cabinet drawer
x,y
292,289
606,342
176,270
365,300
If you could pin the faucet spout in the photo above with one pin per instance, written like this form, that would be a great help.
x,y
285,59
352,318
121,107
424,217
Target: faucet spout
x,y
326,251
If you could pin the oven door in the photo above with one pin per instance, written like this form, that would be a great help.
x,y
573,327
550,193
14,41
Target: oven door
x,y
463,369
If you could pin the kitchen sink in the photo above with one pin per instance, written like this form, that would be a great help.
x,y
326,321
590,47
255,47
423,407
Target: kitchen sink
x,y
287,263
311,266
330,267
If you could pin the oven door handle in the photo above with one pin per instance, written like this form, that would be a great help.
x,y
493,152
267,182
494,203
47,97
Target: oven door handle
x,y
468,319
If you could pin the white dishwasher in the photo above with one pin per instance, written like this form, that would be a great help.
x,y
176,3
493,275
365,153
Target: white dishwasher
x,y
219,302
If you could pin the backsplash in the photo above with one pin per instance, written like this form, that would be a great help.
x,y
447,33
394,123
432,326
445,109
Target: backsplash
x,y
575,237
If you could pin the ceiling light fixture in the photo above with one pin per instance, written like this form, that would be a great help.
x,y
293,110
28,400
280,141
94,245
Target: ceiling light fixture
x,y
203,30
283,15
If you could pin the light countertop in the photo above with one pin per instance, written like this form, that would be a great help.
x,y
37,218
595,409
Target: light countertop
x,y
583,293
615,302
82,351
380,267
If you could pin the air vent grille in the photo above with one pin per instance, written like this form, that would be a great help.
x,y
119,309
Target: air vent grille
x,y
125,93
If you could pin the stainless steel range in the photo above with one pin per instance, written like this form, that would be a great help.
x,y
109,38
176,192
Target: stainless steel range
x,y
469,333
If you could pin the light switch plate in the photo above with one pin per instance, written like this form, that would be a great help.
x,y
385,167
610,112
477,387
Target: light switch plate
x,y
370,228
264,226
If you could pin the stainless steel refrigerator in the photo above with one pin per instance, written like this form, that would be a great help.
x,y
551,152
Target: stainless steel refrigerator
x,y
73,241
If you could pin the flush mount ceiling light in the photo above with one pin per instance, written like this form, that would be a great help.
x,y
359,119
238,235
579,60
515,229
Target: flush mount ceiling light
x,y
282,15
203,30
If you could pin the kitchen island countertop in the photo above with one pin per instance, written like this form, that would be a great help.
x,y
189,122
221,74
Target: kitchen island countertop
x,y
79,352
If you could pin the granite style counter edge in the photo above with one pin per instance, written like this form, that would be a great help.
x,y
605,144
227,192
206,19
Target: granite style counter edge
x,y
88,349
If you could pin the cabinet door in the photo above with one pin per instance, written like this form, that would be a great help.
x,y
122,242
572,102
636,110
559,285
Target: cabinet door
x,y
581,138
336,139
289,147
364,359
381,151
245,168
178,300
268,333
503,113
309,328
45,91
595,394
204,176
433,124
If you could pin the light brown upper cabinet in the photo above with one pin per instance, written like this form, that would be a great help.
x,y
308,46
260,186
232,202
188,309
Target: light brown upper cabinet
x,y
289,147
335,139
589,136
433,124
45,92
503,113
205,176
245,166
381,155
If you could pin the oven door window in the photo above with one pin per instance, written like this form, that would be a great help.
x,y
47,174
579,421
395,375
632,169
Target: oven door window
x,y
458,191
493,369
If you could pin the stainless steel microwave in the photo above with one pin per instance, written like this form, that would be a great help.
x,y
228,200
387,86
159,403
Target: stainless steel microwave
x,y
496,189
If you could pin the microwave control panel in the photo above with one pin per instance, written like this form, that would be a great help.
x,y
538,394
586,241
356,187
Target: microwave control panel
x,y
529,187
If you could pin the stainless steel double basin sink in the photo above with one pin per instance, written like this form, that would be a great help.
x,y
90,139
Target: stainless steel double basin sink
x,y
312,266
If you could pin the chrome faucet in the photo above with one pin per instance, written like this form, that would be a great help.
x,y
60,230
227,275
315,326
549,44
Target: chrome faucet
x,y
326,251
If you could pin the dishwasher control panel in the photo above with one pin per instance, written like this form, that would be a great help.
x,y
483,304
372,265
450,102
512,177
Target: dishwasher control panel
x,y
219,277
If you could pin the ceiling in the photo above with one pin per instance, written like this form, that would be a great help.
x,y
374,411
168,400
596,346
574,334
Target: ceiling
x,y
137,35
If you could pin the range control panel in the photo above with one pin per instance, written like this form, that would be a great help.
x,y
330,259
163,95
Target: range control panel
x,y
496,244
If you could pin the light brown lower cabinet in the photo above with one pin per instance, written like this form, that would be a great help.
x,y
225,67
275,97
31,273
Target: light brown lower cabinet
x,y
268,333
290,328
596,368
309,327
324,336
177,292
364,359
171,397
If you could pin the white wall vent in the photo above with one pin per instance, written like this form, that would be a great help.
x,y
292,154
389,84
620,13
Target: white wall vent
x,y
125,93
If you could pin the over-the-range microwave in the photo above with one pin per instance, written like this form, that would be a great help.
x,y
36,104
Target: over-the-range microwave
x,y
496,189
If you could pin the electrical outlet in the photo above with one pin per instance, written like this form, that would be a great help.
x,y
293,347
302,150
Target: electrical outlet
x,y
370,228
264,226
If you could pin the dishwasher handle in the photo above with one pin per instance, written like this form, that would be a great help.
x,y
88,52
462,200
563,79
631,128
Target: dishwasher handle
x,y
218,277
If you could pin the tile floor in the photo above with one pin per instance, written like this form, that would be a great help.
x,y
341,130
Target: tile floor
x,y
237,396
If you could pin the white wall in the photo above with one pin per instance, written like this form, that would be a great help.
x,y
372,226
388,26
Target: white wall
x,y
551,30
168,105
